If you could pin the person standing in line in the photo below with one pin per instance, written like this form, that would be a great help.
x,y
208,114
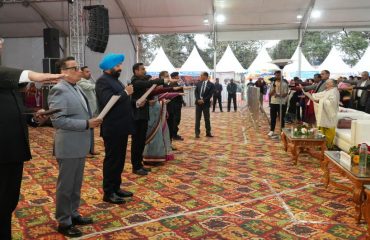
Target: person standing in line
x,y
279,95
217,95
14,142
203,93
88,88
74,125
231,90
117,125
141,116
174,107
261,84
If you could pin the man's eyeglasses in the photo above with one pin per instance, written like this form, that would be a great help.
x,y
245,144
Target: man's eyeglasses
x,y
75,68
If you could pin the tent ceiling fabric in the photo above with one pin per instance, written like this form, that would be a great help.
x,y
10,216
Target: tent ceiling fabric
x,y
178,16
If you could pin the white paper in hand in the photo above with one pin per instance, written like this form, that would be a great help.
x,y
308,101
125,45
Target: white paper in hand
x,y
109,105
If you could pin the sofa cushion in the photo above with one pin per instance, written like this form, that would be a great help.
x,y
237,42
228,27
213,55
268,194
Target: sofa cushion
x,y
344,134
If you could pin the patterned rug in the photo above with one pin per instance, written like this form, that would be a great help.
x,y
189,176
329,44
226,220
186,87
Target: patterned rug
x,y
238,185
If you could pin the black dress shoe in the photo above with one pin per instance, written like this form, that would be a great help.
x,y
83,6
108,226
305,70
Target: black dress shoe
x,y
113,198
140,172
177,138
69,231
82,220
147,169
209,135
123,193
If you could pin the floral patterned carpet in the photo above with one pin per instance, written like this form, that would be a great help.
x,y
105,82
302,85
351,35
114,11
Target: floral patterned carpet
x,y
238,185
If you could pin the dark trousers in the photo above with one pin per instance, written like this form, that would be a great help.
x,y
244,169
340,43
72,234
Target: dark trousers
x,y
114,162
215,99
176,118
274,111
138,144
10,185
229,97
199,109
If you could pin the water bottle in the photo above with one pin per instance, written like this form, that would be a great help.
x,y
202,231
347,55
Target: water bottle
x,y
363,159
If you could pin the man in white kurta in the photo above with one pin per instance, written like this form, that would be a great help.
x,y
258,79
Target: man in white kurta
x,y
326,110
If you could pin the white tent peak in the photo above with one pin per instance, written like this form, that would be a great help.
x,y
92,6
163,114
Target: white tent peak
x,y
334,63
229,63
161,63
262,62
194,63
364,63
305,65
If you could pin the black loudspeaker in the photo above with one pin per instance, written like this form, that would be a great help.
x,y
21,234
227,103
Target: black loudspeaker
x,y
98,35
49,65
51,43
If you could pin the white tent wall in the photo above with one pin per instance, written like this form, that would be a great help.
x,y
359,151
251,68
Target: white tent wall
x,y
27,53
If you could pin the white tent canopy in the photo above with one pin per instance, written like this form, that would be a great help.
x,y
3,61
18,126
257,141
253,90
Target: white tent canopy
x,y
229,63
364,63
304,71
160,63
262,63
194,63
279,19
334,63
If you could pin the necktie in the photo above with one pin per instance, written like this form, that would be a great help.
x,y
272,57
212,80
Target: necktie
x,y
203,88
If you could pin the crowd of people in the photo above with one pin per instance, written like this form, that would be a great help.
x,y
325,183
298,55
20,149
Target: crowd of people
x,y
314,101
151,119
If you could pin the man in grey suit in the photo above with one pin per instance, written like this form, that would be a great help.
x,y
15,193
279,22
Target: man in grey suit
x,y
71,144
320,86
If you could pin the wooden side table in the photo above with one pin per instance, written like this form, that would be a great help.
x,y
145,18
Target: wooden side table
x,y
352,173
366,209
296,145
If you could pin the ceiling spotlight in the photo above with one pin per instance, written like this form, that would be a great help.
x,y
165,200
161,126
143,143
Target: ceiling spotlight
x,y
220,18
71,1
316,14
206,21
299,16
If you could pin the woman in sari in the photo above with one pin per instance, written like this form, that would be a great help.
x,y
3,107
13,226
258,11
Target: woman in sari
x,y
158,144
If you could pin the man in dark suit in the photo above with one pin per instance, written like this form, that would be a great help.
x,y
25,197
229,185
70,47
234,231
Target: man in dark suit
x,y
141,116
203,93
14,144
231,90
117,125
217,95
174,109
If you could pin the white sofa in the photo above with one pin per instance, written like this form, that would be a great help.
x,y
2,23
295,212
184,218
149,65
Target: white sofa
x,y
359,132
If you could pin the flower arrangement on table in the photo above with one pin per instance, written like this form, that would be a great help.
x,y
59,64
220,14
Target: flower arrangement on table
x,y
303,130
354,152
